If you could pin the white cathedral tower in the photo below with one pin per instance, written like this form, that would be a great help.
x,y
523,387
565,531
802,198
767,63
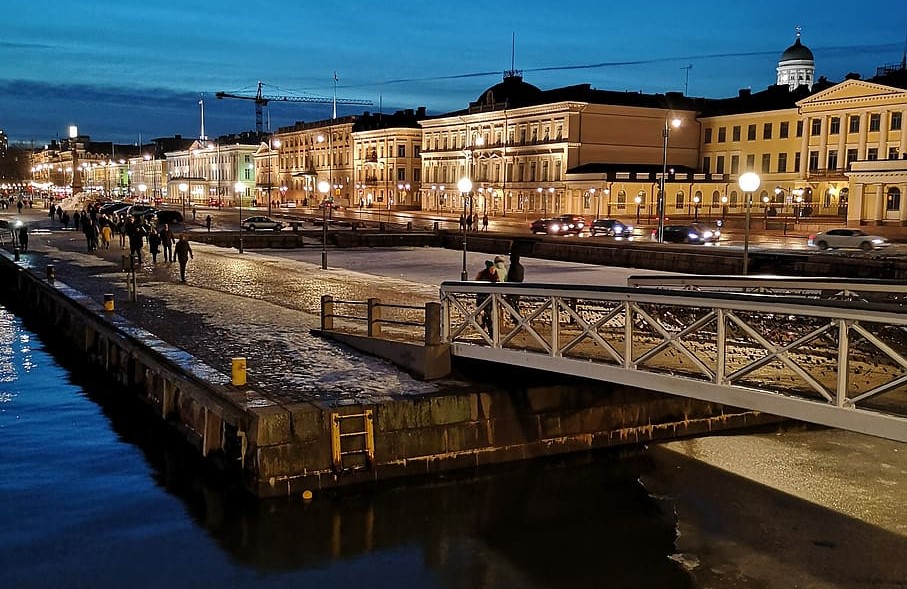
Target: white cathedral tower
x,y
796,66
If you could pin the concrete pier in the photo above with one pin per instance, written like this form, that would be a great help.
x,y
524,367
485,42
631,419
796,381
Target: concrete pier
x,y
283,435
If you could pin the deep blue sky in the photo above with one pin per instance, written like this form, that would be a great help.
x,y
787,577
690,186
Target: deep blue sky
x,y
119,68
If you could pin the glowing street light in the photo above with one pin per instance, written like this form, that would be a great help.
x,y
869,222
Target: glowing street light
x,y
464,185
239,188
749,183
675,123
324,187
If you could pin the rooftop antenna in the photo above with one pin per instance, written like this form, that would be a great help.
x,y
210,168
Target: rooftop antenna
x,y
334,114
512,71
904,59
201,106
686,83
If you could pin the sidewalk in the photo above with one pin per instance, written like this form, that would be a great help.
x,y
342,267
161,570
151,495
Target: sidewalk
x,y
240,305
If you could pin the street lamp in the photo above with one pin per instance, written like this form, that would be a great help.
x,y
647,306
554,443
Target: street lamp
x,y
638,201
696,200
324,187
723,209
464,185
675,123
765,201
239,188
798,198
274,144
749,183
184,188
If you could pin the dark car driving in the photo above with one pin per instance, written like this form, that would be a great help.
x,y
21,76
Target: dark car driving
x,y
562,225
169,216
692,233
611,227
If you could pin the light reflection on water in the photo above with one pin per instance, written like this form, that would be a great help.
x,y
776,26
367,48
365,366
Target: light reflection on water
x,y
96,494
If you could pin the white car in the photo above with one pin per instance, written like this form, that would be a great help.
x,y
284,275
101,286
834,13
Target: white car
x,y
256,223
846,238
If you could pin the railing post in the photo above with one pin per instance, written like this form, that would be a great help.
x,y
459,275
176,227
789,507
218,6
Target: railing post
x,y
432,324
374,317
327,313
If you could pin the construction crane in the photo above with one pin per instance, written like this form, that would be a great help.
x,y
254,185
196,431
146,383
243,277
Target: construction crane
x,y
262,100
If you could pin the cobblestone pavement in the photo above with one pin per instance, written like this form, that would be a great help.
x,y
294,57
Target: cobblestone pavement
x,y
248,305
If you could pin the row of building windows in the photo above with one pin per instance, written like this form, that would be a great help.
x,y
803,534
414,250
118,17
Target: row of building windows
x,y
527,134
834,127
781,161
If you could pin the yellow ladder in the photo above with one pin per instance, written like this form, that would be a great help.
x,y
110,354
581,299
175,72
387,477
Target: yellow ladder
x,y
347,441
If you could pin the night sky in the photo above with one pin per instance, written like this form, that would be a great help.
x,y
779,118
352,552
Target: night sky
x,y
120,70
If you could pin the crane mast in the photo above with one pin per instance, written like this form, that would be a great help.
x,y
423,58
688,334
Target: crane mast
x,y
262,100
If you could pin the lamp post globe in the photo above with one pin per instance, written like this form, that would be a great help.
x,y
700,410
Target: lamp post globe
x,y
749,183
324,187
464,185
238,189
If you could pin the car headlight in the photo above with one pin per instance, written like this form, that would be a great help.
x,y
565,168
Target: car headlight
x,y
693,236
878,241
555,227
707,234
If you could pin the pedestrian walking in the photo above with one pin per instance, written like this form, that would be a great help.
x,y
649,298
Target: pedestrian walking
x,y
488,274
462,222
485,222
208,223
19,206
167,242
136,240
154,245
23,237
500,266
515,273
106,235
183,252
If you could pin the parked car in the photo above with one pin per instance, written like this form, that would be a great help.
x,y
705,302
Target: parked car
x,y
256,223
169,216
610,227
562,225
112,208
846,238
692,233
146,212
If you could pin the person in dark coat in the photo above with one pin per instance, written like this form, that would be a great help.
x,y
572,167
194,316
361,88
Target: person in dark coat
x,y
154,245
136,240
167,242
23,237
487,274
515,273
183,252
208,223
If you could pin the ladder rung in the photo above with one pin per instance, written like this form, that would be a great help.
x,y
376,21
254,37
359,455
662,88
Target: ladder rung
x,y
353,434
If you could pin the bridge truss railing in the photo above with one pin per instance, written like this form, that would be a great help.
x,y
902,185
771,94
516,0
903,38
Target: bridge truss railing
x,y
844,289
838,363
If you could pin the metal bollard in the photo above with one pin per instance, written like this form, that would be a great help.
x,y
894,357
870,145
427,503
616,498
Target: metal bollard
x,y
239,372
50,273
108,303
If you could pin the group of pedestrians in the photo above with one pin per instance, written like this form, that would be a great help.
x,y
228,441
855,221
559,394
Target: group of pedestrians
x,y
99,230
470,222
497,270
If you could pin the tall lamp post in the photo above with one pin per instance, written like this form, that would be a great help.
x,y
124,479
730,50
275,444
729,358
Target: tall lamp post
x,y
749,183
464,185
239,188
696,200
638,201
274,144
675,123
184,188
765,201
324,187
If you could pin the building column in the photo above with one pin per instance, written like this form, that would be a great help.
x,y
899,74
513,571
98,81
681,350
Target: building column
x,y
823,143
902,149
883,135
804,149
879,205
864,129
842,146
855,204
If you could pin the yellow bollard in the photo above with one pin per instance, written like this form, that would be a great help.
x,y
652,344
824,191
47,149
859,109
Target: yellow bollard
x,y
239,372
108,303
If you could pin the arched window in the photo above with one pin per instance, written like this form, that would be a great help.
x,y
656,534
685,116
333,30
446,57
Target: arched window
x,y
733,200
843,196
893,199
641,195
621,200
680,200
716,198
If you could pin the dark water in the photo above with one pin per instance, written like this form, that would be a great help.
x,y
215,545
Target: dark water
x,y
94,493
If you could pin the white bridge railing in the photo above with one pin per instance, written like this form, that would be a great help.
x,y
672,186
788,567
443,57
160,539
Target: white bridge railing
x,y
841,363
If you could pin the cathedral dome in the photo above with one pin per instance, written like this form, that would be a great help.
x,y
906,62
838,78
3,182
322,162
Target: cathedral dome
x,y
512,91
797,51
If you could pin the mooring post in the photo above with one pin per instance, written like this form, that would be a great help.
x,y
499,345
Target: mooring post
x,y
432,324
327,313
374,317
